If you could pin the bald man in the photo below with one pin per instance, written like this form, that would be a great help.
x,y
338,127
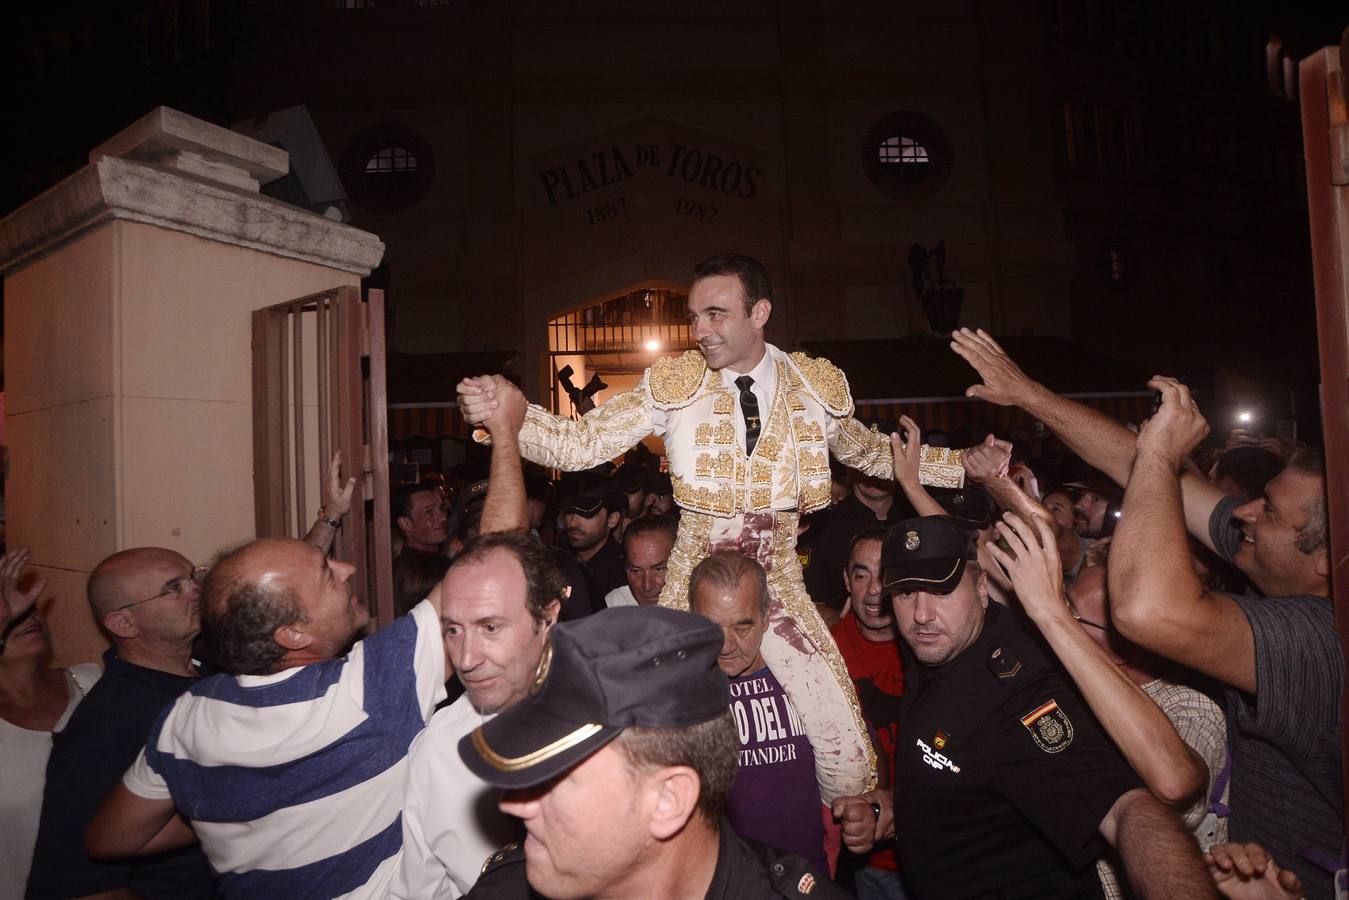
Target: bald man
x,y
290,765
148,603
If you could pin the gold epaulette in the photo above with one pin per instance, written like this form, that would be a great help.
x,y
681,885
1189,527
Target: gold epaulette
x,y
675,380
827,382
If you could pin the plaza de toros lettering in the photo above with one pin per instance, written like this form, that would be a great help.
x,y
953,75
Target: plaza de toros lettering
x,y
677,161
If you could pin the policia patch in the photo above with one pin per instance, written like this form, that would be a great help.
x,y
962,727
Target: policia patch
x,y
1049,727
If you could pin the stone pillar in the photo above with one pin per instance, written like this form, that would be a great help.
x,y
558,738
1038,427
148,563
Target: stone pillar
x,y
128,371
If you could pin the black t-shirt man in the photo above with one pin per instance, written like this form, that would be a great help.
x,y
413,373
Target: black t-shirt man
x,y
824,548
1005,774
88,759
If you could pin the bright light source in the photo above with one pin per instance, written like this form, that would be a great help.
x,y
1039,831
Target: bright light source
x,y
653,344
1244,415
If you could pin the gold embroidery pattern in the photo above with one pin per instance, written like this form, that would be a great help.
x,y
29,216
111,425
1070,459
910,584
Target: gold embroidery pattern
x,y
724,404
861,448
689,548
760,499
676,380
796,402
768,447
941,467
809,463
805,430
719,465
702,435
787,588
760,472
724,433
827,380
720,502
815,495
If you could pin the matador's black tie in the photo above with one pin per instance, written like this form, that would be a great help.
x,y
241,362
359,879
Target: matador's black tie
x,y
749,408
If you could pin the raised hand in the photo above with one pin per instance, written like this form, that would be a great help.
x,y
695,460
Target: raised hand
x,y
1003,381
908,449
1032,565
477,398
337,497
14,603
989,460
1177,428
1247,872
509,413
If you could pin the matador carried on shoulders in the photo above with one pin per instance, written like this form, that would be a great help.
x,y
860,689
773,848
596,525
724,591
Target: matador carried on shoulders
x,y
748,431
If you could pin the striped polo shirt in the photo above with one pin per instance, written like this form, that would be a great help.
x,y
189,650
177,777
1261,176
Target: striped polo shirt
x,y
294,781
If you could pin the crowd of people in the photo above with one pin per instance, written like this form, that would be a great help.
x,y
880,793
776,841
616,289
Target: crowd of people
x,y
811,658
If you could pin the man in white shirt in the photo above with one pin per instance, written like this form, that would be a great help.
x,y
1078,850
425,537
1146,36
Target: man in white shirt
x,y
502,597
647,543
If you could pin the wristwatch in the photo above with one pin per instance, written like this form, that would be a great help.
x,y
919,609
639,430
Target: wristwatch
x,y
327,520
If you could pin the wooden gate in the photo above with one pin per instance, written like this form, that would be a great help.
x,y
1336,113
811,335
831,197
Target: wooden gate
x,y
1323,87
318,386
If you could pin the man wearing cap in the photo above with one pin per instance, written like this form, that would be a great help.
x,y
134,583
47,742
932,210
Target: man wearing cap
x,y
1005,784
748,430
618,763
590,517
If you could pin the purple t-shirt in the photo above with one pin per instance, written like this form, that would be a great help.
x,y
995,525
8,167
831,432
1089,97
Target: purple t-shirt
x,y
775,799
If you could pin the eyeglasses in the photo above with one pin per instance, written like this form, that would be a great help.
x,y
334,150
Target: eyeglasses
x,y
1078,616
180,586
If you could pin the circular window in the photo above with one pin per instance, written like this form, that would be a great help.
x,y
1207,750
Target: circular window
x,y
387,168
907,155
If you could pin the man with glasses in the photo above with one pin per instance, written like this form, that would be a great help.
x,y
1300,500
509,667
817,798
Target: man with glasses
x,y
148,602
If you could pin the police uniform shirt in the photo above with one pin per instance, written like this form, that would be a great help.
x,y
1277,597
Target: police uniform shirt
x,y
746,870
1002,774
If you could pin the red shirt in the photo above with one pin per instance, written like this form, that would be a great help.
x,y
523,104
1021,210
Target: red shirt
x,y
878,673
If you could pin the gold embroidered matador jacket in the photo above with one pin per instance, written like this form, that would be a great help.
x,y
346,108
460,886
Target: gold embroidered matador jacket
x,y
752,504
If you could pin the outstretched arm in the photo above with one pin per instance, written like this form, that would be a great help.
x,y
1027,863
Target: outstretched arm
x,y
1161,858
504,508
336,504
1157,599
1098,439
1137,725
605,432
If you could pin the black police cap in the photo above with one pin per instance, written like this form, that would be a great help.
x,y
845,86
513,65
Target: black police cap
x,y
631,666
925,554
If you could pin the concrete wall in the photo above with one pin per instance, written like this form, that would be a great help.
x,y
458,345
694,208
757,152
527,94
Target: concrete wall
x,y
129,402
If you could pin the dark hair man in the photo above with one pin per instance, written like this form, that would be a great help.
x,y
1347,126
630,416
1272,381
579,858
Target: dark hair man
x,y
743,475
776,798
336,722
502,598
590,517
148,602
870,501
647,543
619,763
869,643
421,516
1004,783
1277,654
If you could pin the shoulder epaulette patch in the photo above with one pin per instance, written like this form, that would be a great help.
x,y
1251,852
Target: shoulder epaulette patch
x,y
507,854
674,380
1003,665
826,380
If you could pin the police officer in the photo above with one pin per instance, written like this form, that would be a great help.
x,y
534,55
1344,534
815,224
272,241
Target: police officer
x,y
1005,786
618,765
